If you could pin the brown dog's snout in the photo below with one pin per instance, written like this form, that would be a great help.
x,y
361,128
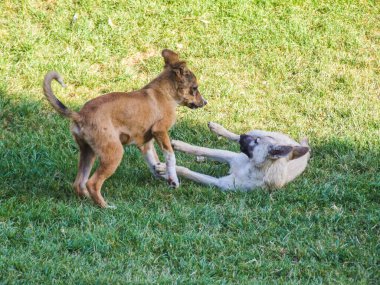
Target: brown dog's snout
x,y
202,101
194,102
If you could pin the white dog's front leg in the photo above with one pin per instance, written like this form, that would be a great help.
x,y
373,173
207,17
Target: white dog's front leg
x,y
215,154
221,131
197,177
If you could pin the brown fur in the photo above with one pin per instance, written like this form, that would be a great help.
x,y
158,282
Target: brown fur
x,y
107,122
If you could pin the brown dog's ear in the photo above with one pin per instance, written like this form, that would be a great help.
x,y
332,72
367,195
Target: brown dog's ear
x,y
299,151
180,69
278,151
170,57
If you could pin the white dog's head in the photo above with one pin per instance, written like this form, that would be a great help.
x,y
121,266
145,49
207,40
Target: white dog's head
x,y
267,149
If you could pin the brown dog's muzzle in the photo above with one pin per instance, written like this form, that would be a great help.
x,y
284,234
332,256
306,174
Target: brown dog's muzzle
x,y
196,101
197,105
202,102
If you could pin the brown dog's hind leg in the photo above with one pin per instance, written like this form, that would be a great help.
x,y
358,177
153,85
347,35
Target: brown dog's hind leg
x,y
110,158
86,161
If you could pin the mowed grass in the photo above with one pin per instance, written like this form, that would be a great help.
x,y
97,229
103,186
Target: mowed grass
x,y
305,68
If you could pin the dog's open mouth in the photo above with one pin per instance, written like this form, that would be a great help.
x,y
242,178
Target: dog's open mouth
x,y
193,106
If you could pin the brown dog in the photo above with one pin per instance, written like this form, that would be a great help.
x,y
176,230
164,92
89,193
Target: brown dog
x,y
107,122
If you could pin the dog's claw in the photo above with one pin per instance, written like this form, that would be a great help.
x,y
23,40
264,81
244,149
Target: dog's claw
x,y
160,171
112,207
173,183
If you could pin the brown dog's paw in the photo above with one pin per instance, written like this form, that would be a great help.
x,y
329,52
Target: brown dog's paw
x,y
81,191
173,182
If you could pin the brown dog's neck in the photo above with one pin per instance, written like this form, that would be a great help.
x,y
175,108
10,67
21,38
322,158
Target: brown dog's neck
x,y
166,85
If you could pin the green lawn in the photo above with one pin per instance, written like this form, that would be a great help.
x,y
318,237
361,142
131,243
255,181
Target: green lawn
x,y
306,68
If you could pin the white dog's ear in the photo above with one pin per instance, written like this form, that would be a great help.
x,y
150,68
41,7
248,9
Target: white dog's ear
x,y
294,152
299,151
277,151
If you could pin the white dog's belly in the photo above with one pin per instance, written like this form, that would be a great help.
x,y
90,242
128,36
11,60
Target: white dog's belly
x,y
241,181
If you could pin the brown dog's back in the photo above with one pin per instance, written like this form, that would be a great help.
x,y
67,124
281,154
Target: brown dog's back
x,y
130,116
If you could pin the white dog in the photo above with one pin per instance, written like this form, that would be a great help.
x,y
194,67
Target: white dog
x,y
268,160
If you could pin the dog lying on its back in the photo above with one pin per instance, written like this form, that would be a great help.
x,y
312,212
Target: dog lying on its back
x,y
107,122
268,160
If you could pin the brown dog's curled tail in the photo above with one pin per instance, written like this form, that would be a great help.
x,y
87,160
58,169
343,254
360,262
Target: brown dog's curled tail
x,y
57,105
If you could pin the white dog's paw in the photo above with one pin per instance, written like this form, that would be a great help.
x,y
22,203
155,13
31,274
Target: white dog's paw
x,y
176,144
200,158
304,141
214,127
160,169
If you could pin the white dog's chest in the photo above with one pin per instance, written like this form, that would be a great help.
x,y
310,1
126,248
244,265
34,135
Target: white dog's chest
x,y
242,177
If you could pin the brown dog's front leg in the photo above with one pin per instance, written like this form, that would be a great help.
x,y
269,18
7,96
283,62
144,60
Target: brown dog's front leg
x,y
163,140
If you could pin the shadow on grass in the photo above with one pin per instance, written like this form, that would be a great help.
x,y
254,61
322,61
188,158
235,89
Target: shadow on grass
x,y
39,156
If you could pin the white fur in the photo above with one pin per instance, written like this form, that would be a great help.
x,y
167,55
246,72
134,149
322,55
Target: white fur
x,y
150,159
260,171
171,169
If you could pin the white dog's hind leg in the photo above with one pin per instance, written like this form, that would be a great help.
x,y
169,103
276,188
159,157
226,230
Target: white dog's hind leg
x,y
221,131
215,154
197,177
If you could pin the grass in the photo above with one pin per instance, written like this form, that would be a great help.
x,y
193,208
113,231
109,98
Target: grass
x,y
300,67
